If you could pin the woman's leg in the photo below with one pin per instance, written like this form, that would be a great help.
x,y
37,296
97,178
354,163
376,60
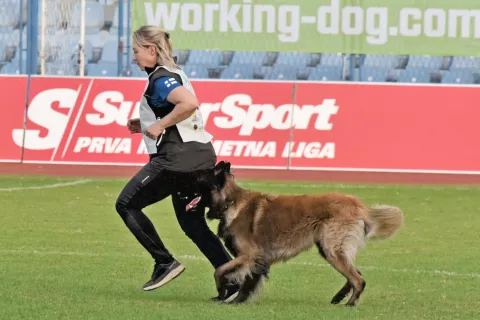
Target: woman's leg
x,y
148,186
195,227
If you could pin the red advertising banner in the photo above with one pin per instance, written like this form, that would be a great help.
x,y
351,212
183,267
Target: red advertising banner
x,y
83,120
249,121
260,124
13,101
393,127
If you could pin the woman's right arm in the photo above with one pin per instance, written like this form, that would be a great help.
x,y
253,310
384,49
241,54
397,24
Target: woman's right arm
x,y
133,125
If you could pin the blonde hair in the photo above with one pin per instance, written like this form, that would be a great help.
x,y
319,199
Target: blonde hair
x,y
154,36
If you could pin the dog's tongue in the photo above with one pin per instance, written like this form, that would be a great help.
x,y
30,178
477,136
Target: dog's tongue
x,y
193,203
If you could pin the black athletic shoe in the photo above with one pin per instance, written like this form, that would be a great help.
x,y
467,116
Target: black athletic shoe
x,y
230,294
163,273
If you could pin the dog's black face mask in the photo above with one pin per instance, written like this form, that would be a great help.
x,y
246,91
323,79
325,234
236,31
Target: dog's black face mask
x,y
217,200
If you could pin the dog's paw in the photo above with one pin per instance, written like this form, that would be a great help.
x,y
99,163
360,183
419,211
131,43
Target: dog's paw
x,y
240,298
338,298
345,291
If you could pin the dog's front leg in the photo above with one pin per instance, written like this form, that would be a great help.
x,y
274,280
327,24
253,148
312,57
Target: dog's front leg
x,y
248,287
223,274
253,280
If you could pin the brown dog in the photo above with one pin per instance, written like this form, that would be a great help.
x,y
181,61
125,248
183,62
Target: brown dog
x,y
262,229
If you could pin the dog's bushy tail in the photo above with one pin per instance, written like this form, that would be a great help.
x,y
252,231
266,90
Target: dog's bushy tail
x,y
384,221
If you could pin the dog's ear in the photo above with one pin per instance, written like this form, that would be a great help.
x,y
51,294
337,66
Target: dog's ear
x,y
219,167
220,179
221,171
227,167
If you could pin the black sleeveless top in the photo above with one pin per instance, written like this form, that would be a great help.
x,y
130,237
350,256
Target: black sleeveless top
x,y
172,153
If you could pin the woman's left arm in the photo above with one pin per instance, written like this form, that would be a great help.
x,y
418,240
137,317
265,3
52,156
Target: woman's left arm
x,y
185,104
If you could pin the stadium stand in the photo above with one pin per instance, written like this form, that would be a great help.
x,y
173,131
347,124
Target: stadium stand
x,y
101,52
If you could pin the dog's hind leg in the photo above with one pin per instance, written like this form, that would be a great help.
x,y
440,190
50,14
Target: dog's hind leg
x,y
345,289
340,244
343,292
341,263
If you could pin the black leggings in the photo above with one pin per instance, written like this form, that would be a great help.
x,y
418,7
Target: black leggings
x,y
152,184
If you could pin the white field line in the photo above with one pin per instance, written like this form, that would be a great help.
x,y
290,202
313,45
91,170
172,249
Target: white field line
x,y
47,186
334,185
443,273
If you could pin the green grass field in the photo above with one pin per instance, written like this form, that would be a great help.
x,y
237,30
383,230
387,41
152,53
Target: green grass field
x,y
66,254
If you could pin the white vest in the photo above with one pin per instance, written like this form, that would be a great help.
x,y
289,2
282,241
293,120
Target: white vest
x,y
190,129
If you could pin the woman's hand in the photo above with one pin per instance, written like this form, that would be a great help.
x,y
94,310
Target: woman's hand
x,y
134,125
154,130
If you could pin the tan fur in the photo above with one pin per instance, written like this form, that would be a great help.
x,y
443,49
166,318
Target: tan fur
x,y
267,229
386,220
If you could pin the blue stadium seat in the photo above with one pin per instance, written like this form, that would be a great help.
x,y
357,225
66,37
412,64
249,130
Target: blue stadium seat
x,y
9,13
296,59
70,49
381,60
375,74
205,57
458,77
60,69
99,39
182,56
102,69
413,76
238,71
248,57
20,55
54,14
12,67
3,51
196,71
332,59
354,75
137,73
94,17
88,49
326,73
315,59
6,33
108,2
9,36
426,62
69,44
282,72
304,73
270,58
262,72
465,63
109,52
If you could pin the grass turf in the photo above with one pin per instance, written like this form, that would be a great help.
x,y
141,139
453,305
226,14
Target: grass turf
x,y
66,254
